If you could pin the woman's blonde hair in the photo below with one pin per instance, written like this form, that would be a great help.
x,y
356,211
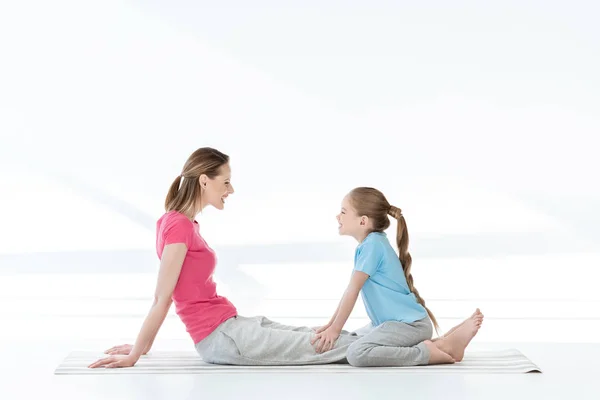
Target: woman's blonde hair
x,y
185,196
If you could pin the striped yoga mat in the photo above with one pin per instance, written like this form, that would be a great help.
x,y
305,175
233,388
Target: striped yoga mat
x,y
188,362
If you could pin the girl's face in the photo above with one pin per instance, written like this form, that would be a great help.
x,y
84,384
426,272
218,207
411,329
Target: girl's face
x,y
350,223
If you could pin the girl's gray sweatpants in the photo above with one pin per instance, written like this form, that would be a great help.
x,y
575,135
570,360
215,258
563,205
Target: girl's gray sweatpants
x,y
260,341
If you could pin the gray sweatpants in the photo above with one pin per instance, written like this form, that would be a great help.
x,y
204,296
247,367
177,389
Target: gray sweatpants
x,y
260,341
392,344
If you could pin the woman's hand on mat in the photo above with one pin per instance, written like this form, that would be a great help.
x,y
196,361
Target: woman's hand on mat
x,y
118,361
325,340
123,349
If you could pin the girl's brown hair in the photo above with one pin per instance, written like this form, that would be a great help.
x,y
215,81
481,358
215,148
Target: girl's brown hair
x,y
372,203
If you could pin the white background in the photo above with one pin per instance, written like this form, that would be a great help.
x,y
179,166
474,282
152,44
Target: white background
x,y
479,121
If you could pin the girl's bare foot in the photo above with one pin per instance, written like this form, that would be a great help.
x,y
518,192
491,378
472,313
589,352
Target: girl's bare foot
x,y
477,317
476,314
456,343
437,356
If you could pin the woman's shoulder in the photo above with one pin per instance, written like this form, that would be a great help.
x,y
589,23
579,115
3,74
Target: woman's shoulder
x,y
174,218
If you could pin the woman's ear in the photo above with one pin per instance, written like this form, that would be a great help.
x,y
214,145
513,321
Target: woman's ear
x,y
202,181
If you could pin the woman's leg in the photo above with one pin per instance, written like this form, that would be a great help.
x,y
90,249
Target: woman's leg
x,y
245,341
267,323
392,344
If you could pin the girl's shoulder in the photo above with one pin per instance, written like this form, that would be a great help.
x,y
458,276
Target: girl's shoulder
x,y
375,242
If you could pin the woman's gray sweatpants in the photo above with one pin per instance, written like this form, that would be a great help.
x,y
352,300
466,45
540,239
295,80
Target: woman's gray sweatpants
x,y
392,344
260,341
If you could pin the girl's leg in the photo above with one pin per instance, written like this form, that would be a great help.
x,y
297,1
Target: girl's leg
x,y
455,343
396,344
363,330
245,341
393,344
477,316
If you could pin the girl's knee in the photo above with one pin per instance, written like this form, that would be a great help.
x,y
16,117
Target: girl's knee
x,y
357,355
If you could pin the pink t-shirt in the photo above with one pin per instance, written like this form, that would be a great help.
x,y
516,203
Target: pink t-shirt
x,y
195,296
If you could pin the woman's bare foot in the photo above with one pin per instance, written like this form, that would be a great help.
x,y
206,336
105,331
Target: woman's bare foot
x,y
437,356
456,343
476,314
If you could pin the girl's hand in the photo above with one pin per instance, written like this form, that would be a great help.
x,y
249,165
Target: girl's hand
x,y
118,361
325,340
319,329
123,349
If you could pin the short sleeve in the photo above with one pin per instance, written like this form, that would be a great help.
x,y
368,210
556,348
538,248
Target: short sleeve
x,y
179,230
368,258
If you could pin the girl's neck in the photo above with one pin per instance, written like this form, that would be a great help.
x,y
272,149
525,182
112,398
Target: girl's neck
x,y
360,237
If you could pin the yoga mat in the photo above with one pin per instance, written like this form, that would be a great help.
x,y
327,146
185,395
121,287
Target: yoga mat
x,y
509,361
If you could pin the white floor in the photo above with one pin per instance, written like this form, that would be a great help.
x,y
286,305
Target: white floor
x,y
49,308
569,371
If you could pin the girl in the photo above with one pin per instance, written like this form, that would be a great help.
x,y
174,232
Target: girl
x,y
401,323
187,263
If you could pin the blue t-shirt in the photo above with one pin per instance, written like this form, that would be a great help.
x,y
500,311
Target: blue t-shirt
x,y
385,294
